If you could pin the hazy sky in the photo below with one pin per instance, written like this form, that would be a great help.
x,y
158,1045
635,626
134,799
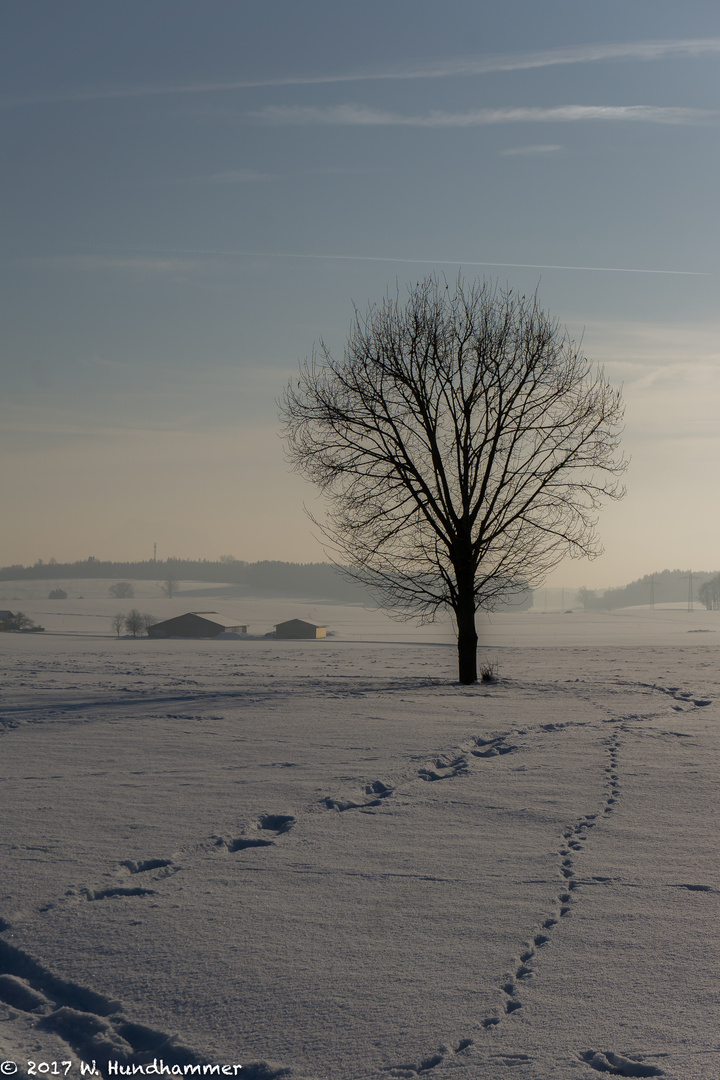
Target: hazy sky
x,y
195,192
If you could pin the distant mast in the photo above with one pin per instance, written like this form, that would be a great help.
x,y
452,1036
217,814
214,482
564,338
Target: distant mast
x,y
155,552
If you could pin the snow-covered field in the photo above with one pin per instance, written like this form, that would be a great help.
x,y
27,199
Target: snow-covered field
x,y
327,859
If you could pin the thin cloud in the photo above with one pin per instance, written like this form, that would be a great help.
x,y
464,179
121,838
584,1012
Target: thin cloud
x,y
244,253
462,67
531,151
365,116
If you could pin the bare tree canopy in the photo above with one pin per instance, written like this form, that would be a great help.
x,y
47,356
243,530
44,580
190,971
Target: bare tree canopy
x,y
464,444
122,590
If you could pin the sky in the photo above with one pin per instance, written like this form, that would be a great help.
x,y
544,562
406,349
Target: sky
x,y
194,193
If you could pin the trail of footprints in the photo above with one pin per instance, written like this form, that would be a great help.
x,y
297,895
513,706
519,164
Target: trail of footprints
x,y
442,767
574,838
573,841
92,1025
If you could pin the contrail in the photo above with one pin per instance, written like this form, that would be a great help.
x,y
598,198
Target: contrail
x,y
364,116
455,67
434,262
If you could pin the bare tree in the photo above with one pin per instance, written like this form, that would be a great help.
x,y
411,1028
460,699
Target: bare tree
x,y
118,623
122,590
134,622
464,444
170,587
18,621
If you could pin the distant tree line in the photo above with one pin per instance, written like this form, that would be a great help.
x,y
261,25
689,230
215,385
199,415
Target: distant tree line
x,y
666,587
304,579
709,593
272,578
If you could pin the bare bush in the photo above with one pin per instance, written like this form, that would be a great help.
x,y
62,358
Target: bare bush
x,y
122,590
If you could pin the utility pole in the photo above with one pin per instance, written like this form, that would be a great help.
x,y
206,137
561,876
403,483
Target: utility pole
x,y
155,552
690,591
652,592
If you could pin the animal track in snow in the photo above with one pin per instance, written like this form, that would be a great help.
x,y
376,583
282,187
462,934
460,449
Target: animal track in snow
x,y
378,788
493,747
275,823
146,865
618,1065
431,1061
117,890
571,846
445,769
240,843
446,766
684,696
695,888
91,1024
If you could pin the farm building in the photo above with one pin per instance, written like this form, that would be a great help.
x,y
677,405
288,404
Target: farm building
x,y
296,628
196,624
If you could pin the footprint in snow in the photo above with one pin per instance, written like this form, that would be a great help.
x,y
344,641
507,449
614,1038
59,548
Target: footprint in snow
x,y
274,823
618,1065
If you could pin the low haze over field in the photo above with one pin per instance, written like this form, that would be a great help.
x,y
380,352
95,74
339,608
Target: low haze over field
x,y
197,192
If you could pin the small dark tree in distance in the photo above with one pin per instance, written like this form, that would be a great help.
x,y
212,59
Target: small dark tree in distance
x,y
118,623
122,590
20,623
464,444
57,594
170,587
134,622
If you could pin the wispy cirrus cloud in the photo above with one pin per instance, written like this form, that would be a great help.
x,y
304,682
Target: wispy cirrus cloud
x,y
366,116
158,260
428,68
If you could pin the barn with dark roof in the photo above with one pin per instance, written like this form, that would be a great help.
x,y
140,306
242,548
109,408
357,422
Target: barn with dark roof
x,y
297,628
196,624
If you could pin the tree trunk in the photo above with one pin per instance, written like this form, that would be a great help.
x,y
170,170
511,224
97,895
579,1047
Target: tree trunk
x,y
467,639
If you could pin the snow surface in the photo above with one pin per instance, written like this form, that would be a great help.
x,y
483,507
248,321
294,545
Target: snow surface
x,y
327,859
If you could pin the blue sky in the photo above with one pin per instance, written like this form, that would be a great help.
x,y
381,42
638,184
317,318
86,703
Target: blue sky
x,y
194,193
